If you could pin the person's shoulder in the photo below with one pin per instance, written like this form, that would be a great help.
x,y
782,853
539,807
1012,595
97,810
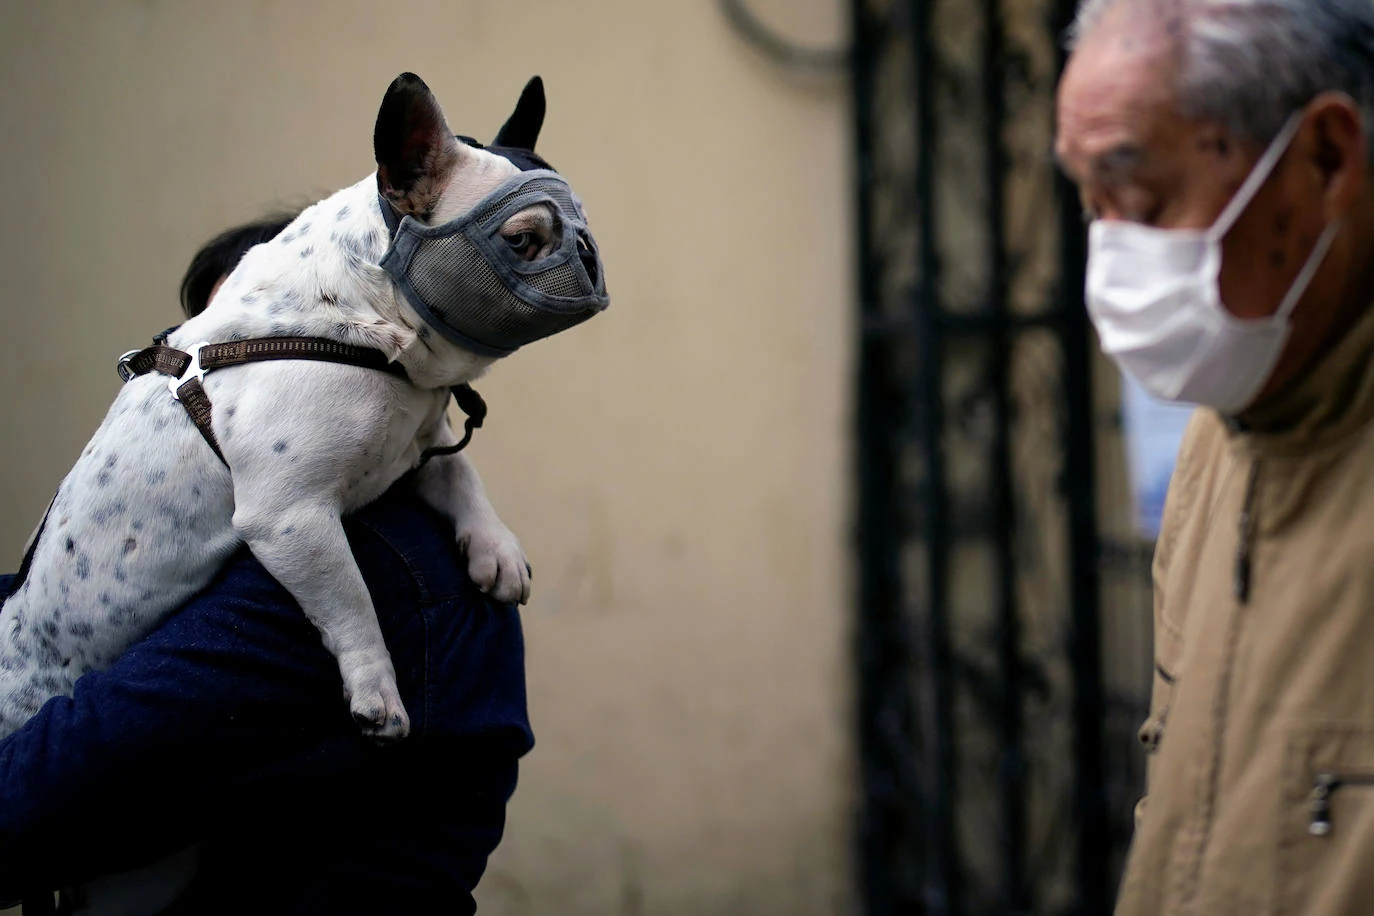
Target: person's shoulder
x,y
405,550
473,645
1204,438
400,540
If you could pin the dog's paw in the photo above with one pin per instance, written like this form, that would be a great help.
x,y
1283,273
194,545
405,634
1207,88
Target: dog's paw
x,y
375,703
496,561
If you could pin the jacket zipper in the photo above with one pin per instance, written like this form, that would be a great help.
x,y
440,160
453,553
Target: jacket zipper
x,y
1323,787
1240,585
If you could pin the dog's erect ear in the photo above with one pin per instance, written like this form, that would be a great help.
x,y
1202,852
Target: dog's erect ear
x,y
521,129
416,152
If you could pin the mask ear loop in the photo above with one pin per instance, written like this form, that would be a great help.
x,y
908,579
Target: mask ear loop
x,y
1258,176
1309,270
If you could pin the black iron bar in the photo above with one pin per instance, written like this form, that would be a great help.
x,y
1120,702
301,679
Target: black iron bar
x,y
885,717
942,891
1014,895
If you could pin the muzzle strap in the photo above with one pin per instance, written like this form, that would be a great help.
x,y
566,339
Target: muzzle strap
x,y
390,216
472,405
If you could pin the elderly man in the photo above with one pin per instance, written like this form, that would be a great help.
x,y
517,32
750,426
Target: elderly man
x,y
1222,151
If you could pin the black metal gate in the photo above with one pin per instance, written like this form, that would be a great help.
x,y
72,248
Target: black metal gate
x,y
997,767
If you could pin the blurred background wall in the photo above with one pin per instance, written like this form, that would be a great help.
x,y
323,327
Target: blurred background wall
x,y
677,469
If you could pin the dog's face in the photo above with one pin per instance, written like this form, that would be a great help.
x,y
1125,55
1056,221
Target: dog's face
x,y
426,172
493,249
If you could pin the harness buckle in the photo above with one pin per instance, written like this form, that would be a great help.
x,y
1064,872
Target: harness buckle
x,y
122,365
193,370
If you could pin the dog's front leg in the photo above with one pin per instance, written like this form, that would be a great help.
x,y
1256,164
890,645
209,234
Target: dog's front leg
x,y
496,561
303,546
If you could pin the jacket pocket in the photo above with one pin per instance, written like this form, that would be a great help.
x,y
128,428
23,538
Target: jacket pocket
x,y
1326,835
1325,785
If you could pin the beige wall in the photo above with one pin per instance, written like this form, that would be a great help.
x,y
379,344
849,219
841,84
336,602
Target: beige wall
x,y
677,468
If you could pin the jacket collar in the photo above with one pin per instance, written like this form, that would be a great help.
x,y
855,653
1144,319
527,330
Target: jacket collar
x,y
1333,399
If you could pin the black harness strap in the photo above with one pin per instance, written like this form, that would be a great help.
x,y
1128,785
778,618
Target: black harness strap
x,y
23,574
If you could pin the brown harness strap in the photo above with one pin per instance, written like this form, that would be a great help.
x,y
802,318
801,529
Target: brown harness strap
x,y
167,360
170,361
197,403
156,358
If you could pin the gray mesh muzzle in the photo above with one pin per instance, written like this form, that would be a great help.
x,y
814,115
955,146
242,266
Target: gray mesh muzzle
x,y
470,286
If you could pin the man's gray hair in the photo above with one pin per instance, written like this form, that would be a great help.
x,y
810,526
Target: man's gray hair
x,y
1249,64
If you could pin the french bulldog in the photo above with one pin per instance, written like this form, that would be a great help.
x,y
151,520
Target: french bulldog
x,y
447,258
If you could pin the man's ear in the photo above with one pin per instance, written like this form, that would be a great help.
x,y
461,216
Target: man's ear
x,y
1339,151
521,129
416,152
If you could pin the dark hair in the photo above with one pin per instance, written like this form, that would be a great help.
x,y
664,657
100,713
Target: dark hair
x,y
219,256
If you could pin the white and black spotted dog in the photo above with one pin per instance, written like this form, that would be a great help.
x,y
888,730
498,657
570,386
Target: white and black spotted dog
x,y
450,256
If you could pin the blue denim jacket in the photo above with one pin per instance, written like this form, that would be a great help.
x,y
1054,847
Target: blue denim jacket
x,y
227,728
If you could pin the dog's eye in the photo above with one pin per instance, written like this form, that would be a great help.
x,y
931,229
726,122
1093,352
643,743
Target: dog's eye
x,y
526,244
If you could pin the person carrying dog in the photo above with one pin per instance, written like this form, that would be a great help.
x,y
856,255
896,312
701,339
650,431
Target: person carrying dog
x,y
213,769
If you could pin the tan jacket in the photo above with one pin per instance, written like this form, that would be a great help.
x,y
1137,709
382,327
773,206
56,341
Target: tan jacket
x,y
1261,730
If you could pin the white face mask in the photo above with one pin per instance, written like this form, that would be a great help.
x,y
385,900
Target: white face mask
x,y
1155,298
